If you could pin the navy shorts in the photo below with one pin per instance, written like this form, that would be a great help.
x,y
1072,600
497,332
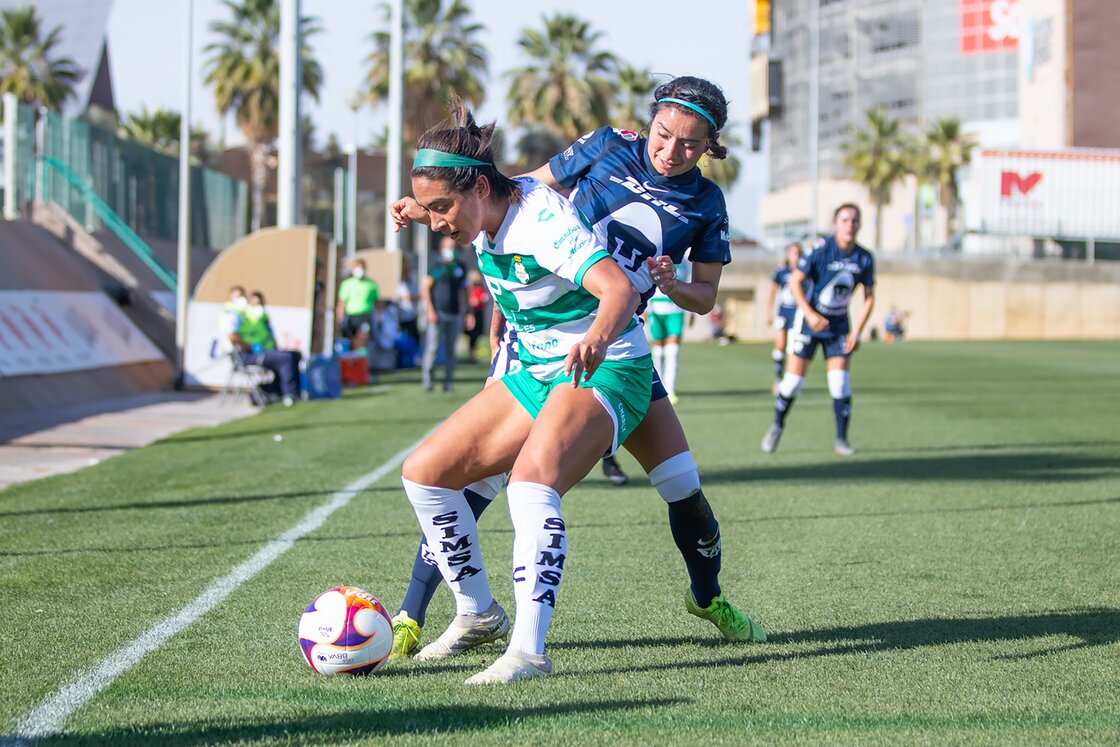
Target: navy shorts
x,y
804,341
506,361
784,317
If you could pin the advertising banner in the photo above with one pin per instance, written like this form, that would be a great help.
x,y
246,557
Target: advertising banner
x,y
45,332
990,25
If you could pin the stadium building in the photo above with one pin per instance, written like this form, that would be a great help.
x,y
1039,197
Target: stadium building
x,y
1019,74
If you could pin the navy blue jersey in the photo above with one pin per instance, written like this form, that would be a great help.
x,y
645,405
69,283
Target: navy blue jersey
x,y
834,274
780,277
636,212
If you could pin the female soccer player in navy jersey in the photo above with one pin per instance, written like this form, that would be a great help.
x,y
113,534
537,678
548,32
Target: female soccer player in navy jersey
x,y
835,267
782,320
648,203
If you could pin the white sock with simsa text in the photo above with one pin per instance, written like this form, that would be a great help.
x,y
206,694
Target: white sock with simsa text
x,y
540,546
452,533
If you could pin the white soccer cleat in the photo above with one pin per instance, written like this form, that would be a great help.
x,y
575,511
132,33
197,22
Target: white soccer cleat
x,y
468,631
770,440
843,448
513,666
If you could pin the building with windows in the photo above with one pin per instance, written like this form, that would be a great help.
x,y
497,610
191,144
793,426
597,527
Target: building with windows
x,y
824,63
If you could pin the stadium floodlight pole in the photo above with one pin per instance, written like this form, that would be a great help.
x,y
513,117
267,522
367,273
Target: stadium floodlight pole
x,y
814,112
288,168
396,119
183,266
355,101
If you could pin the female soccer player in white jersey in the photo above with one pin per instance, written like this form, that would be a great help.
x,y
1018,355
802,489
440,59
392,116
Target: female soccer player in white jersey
x,y
650,206
582,387
835,267
665,321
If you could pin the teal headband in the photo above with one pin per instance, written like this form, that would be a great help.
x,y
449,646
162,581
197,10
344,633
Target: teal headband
x,y
432,157
693,107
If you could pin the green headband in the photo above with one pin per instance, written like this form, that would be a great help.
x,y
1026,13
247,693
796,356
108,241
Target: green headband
x,y
693,107
438,158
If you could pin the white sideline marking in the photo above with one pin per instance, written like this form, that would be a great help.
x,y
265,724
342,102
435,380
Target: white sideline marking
x,y
49,716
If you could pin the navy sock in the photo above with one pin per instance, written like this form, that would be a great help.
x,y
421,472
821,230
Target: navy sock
x,y
781,409
425,573
843,409
696,532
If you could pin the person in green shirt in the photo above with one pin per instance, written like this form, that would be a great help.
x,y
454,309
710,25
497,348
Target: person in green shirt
x,y
357,295
249,332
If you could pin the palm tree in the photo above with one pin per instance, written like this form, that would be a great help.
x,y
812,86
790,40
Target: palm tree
x,y
244,69
28,66
946,150
569,87
876,158
724,172
442,58
634,87
159,129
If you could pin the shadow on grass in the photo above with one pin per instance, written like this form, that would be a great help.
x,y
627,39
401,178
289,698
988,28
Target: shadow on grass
x,y
184,503
1037,466
350,426
1091,627
346,726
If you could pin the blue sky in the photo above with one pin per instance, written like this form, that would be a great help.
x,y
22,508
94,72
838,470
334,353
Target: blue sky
x,y
708,38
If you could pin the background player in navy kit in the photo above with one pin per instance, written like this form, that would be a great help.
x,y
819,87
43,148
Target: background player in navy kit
x,y
782,320
836,265
649,204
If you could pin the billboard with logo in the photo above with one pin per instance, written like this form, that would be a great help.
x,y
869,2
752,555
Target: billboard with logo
x,y
1070,194
990,25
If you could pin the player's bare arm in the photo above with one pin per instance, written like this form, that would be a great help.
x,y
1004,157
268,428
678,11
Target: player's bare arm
x,y
617,303
816,322
698,294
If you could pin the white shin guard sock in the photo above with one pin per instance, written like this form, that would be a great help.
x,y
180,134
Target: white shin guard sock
x,y
791,385
676,478
452,533
657,353
669,375
838,385
540,546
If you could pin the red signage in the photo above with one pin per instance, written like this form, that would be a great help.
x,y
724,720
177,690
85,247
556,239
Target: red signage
x,y
990,25
1009,180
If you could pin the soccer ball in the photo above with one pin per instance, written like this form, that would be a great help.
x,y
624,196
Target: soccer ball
x,y
345,630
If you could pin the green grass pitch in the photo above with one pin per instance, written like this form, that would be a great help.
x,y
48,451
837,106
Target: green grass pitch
x,y
957,580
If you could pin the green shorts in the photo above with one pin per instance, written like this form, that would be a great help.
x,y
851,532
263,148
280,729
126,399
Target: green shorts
x,y
665,325
622,387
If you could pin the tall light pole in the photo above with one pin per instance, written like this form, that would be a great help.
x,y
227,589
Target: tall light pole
x,y
396,116
288,169
814,112
354,101
183,266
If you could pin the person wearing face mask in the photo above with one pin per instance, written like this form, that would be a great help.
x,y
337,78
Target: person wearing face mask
x,y
357,296
248,330
445,300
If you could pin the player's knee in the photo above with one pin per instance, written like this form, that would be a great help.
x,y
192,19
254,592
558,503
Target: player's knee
x,y
791,385
676,478
838,386
423,467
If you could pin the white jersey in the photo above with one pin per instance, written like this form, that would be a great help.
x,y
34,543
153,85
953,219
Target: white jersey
x,y
659,303
534,267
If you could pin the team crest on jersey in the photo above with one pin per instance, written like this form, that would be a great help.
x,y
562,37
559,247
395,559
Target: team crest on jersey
x,y
519,270
627,134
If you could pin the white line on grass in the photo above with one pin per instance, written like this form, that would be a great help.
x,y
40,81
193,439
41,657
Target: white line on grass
x,y
47,719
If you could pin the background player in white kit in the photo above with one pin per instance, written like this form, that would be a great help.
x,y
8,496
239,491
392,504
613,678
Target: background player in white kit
x,y
665,323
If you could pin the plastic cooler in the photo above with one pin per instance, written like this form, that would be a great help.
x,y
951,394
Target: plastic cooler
x,y
322,377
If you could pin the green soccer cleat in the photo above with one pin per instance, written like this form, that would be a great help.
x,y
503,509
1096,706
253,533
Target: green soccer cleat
x,y
406,636
732,622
